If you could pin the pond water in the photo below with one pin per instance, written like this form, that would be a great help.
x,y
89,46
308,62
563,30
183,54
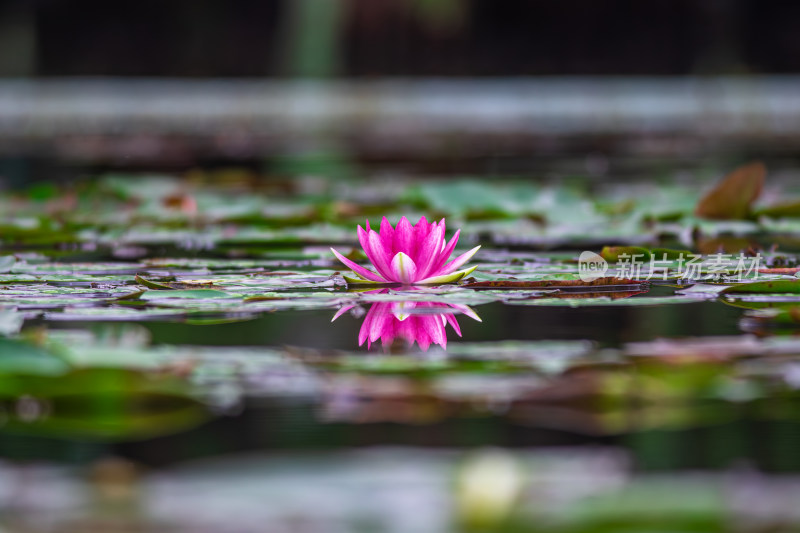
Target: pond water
x,y
188,354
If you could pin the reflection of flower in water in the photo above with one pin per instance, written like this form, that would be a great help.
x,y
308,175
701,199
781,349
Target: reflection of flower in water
x,y
422,322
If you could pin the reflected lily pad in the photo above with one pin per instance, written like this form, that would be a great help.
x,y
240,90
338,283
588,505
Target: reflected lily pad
x,y
18,358
99,404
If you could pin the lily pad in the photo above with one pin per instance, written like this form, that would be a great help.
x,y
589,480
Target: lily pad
x,y
6,263
778,286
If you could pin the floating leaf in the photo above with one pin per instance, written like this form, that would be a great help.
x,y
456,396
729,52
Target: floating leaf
x,y
765,287
612,253
193,294
152,284
6,262
10,321
667,253
786,210
733,196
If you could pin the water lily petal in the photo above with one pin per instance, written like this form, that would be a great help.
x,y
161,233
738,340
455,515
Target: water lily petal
x,y
451,319
458,261
363,239
377,254
363,333
404,270
374,252
421,231
447,249
342,311
403,237
387,236
466,310
434,329
402,310
381,325
428,252
361,271
420,332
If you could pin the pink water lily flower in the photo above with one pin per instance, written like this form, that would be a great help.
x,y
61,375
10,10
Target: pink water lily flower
x,y
411,255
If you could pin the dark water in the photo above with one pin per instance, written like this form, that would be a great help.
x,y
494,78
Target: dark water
x,y
723,434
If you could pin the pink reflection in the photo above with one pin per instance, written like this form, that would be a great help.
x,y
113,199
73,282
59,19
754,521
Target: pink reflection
x,y
422,322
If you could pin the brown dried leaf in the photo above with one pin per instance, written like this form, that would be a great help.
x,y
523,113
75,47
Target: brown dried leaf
x,y
552,283
733,196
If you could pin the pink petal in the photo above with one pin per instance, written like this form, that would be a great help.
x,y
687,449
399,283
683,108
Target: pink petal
x,y
381,326
428,252
421,231
388,337
420,333
363,238
363,333
403,238
373,255
404,270
445,253
402,310
443,330
451,319
466,310
374,251
379,257
342,311
456,263
361,271
387,236
433,328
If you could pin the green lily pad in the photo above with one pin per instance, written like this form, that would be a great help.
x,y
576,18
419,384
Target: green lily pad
x,y
6,263
187,294
612,253
777,286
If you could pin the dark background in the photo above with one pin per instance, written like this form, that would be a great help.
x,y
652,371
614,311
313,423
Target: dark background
x,y
254,38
